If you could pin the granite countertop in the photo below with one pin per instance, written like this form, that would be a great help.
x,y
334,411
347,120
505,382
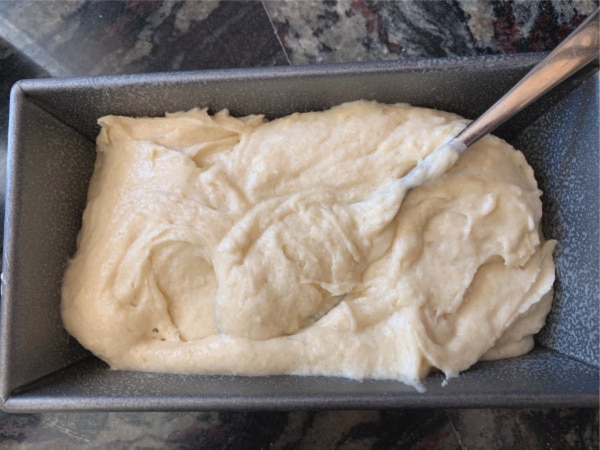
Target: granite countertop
x,y
71,38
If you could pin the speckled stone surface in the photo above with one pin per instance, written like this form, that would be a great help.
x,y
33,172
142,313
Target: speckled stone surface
x,y
79,37
328,31
89,37
407,429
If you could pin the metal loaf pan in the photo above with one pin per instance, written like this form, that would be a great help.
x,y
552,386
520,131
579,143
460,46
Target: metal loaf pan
x,y
51,156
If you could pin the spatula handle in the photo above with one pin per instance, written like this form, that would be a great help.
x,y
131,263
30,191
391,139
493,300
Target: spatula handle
x,y
577,50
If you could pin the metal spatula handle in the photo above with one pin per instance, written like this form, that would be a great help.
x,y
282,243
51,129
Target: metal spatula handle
x,y
577,50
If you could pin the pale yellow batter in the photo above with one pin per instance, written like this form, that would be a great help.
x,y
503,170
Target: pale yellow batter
x,y
235,245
